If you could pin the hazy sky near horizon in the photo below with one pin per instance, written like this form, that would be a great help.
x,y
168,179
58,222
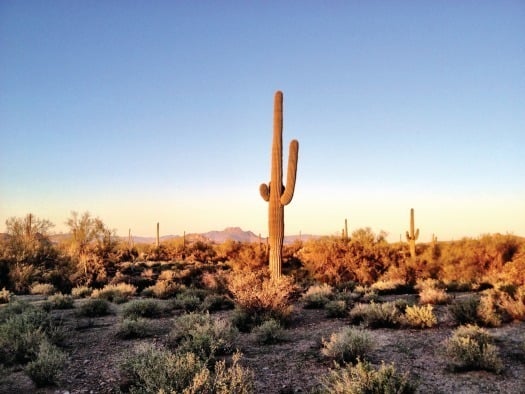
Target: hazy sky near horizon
x,y
143,112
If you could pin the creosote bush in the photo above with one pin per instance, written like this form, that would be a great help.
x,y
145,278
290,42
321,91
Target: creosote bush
x,y
201,334
317,296
377,315
141,308
347,345
132,328
363,378
152,370
45,368
465,311
471,348
336,308
59,301
94,308
269,332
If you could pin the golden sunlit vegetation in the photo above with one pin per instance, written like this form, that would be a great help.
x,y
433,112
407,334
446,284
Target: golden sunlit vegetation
x,y
31,261
478,283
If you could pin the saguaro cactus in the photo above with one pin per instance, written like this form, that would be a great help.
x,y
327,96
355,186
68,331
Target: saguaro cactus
x,y
157,241
412,237
275,193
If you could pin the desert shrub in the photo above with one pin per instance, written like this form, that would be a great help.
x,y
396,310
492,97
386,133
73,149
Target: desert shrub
x,y
317,296
43,289
22,329
269,332
132,328
489,311
201,334
471,348
216,302
152,370
5,296
216,281
465,311
262,298
141,308
115,293
336,308
363,378
376,315
45,368
94,308
81,291
431,291
59,301
433,296
391,286
161,289
420,316
186,301
347,344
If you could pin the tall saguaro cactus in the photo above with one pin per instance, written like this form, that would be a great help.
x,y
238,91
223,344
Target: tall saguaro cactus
x,y
275,193
412,237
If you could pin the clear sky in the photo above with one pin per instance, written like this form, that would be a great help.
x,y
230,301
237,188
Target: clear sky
x,y
143,112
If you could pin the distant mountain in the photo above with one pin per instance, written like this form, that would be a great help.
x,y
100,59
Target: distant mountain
x,y
231,233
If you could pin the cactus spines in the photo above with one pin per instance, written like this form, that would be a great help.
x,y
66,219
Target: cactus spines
x,y
275,193
412,236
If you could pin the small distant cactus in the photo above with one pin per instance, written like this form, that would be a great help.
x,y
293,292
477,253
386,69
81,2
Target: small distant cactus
x,y
275,193
412,236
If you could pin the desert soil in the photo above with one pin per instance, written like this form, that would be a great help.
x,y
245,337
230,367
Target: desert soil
x,y
293,366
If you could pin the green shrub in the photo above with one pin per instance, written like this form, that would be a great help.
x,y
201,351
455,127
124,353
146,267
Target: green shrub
x,y
201,334
45,369
317,296
364,379
187,302
471,348
152,370
216,302
42,288
94,308
336,308
134,328
81,292
59,301
5,296
420,316
347,344
23,328
269,332
465,311
141,308
376,315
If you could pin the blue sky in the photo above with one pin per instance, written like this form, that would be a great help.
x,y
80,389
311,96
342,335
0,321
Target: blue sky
x,y
144,112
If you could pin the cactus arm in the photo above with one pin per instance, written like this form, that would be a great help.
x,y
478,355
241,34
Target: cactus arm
x,y
416,235
408,236
265,191
287,195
